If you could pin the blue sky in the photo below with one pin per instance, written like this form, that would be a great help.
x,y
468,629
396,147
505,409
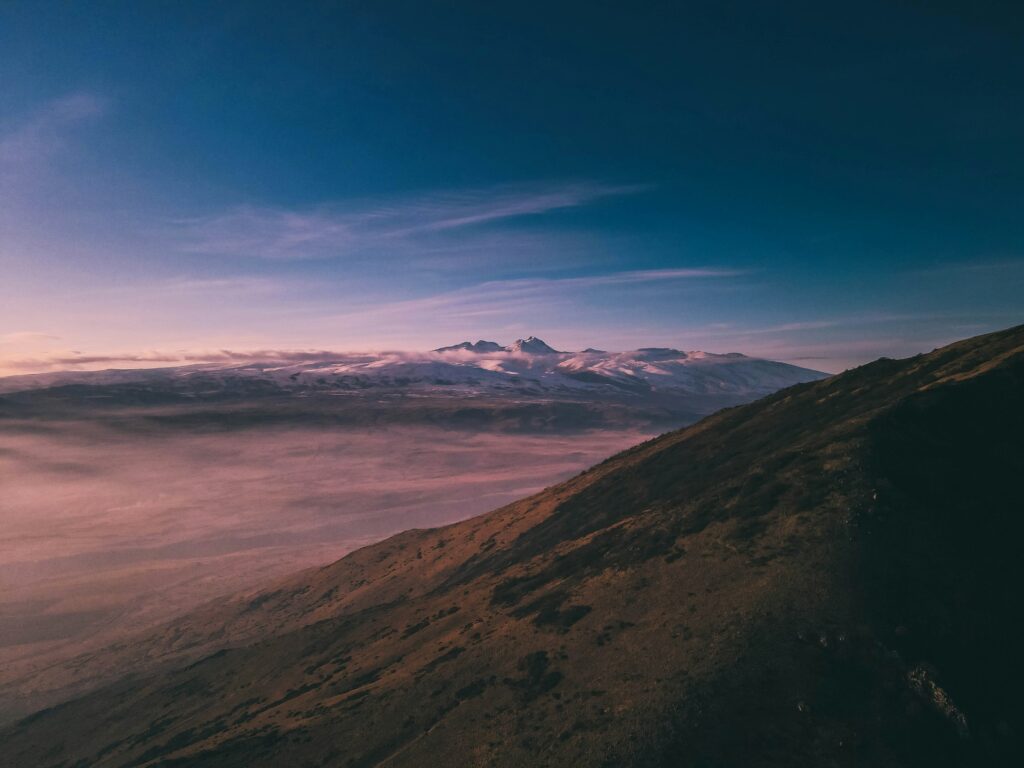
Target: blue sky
x,y
819,186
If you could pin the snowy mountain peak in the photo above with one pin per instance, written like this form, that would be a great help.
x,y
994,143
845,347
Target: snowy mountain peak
x,y
480,347
532,346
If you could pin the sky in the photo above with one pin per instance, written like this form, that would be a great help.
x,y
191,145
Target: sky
x,y
810,182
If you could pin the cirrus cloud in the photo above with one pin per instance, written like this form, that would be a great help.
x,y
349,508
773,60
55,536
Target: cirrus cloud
x,y
43,133
405,225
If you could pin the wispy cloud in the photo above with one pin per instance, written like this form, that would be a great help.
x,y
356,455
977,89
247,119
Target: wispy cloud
x,y
961,267
42,134
20,337
730,330
518,298
78,361
204,287
635,276
65,361
338,230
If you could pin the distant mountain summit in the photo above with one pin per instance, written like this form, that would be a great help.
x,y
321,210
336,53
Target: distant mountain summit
x,y
532,346
480,347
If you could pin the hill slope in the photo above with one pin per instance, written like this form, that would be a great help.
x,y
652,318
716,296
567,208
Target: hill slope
x,y
824,577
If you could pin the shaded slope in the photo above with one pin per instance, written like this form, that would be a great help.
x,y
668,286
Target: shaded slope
x,y
824,577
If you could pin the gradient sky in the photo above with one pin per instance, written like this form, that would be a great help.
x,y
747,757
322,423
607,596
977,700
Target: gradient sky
x,y
816,184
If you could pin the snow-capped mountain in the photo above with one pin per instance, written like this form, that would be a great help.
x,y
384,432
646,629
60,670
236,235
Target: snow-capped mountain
x,y
527,366
468,346
531,346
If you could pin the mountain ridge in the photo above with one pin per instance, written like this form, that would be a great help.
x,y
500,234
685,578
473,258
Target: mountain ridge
x,y
468,346
518,390
481,366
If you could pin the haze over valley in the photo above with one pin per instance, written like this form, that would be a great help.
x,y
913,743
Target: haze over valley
x,y
165,488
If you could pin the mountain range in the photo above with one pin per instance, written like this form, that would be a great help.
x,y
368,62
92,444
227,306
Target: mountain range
x,y
525,385
826,576
527,366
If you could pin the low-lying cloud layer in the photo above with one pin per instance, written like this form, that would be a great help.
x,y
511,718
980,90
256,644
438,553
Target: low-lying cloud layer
x,y
141,524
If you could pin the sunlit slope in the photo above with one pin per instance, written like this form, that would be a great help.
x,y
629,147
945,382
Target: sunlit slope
x,y
827,576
